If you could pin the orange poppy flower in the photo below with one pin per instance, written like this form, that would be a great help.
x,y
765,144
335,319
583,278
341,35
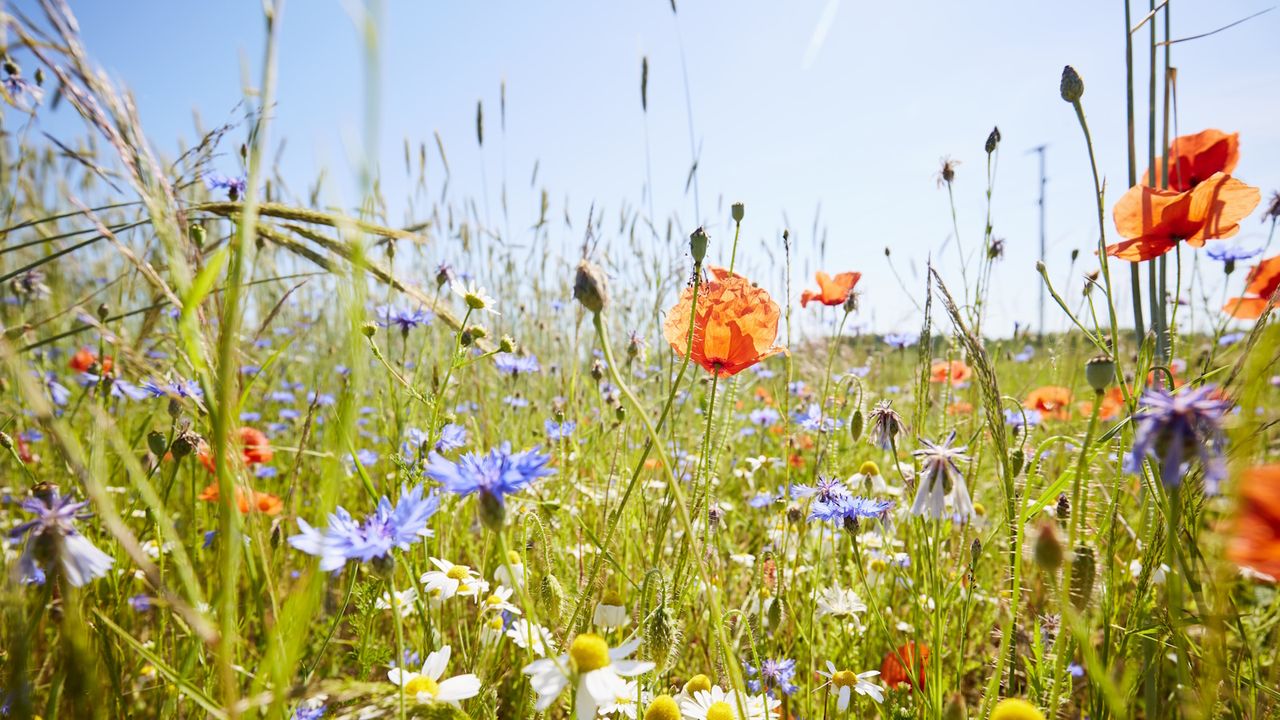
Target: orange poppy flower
x,y
265,503
954,372
960,408
1261,284
831,290
1051,400
1155,221
1194,158
735,326
255,449
85,359
764,396
894,674
1256,541
1111,408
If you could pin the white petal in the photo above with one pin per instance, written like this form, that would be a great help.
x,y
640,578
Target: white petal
x,y
585,707
628,668
460,687
400,677
602,685
436,663
624,649
843,703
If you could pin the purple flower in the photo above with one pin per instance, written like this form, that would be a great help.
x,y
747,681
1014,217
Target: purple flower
x,y
494,475
764,417
773,674
885,423
516,365
1175,428
235,187
1231,253
811,419
901,341
939,476
559,430
179,388
141,603
403,318
309,713
849,509
826,490
52,536
1020,419
389,527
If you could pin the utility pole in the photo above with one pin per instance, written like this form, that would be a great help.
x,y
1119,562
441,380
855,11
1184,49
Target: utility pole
x,y
1040,151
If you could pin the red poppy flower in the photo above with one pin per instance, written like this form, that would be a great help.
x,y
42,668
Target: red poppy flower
x,y
954,372
1262,283
84,360
894,674
1194,158
1155,221
1112,405
255,501
1256,541
831,290
1051,401
735,326
255,449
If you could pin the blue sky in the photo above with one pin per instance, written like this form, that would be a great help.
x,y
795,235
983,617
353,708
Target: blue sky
x,y
832,104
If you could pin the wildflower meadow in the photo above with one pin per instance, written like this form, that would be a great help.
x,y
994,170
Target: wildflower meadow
x,y
493,455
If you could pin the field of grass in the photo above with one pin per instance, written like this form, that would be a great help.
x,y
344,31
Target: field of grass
x,y
263,458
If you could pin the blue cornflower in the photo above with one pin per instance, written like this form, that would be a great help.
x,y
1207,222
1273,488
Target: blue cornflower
x,y
389,527
1175,428
452,437
515,365
1027,353
859,372
811,419
282,396
25,95
1020,419
1231,253
849,509
515,401
310,713
52,536
1231,338
796,387
321,399
494,475
58,392
939,476
180,388
141,603
901,341
764,417
825,490
763,372
773,674
763,500
235,187
559,430
404,318
365,456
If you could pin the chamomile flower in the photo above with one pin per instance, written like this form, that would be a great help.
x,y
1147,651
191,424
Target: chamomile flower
x,y
611,612
624,704
511,574
427,687
499,601
717,704
474,296
836,601
402,601
532,637
592,666
844,683
449,580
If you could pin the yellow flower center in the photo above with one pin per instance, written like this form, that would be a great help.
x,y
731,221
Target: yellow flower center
x,y
869,468
696,683
513,558
719,711
844,678
493,600
435,592
611,598
422,684
878,564
1016,709
663,707
457,572
495,623
589,652
979,509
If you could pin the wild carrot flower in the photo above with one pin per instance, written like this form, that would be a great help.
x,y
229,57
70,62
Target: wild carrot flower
x,y
592,666
940,476
885,424
831,290
1154,221
1255,542
845,682
1194,158
389,527
427,687
1261,283
735,326
1175,428
52,537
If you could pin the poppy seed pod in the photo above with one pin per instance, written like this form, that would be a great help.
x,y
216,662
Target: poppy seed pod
x,y
738,211
1100,371
1072,87
590,287
698,245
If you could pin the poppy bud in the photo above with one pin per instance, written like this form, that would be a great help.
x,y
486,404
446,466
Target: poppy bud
x,y
698,245
956,708
660,636
855,425
157,443
1100,371
1016,459
1048,549
1084,572
590,287
737,209
369,330
1072,87
775,612
620,413
551,598
197,234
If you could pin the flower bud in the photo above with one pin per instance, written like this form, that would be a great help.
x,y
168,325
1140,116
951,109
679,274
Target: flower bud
x,y
157,443
738,210
104,310
479,331
698,245
1072,87
185,443
1084,572
1100,371
975,551
597,371
660,636
855,425
6,441
1016,459
197,234
1048,549
620,412
467,338
551,599
590,286
506,344
775,612
993,140
369,330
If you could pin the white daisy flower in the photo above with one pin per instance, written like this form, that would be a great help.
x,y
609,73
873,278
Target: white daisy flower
x,y
592,666
403,600
427,687
449,580
611,612
534,638
844,683
624,705
503,577
500,601
717,704
474,296
836,601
